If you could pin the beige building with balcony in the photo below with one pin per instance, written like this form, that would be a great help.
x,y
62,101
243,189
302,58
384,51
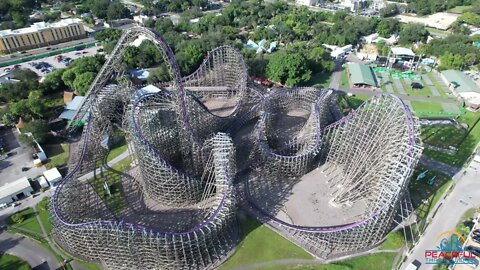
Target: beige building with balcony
x,y
41,34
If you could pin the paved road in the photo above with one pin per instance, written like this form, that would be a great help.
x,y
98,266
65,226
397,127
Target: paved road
x,y
44,49
27,250
465,195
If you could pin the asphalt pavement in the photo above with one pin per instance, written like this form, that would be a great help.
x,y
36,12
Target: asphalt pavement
x,y
464,196
28,250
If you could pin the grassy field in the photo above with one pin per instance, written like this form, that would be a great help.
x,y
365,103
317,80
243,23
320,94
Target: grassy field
x,y
468,142
29,222
442,136
460,9
344,82
378,261
117,150
42,209
9,262
425,196
114,200
321,80
57,155
394,241
465,224
260,244
428,109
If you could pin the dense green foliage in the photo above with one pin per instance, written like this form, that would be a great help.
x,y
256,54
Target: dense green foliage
x,y
413,32
425,7
389,11
288,69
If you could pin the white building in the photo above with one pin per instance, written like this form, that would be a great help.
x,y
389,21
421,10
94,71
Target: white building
x,y
370,38
141,19
53,176
42,182
307,2
354,4
462,87
15,190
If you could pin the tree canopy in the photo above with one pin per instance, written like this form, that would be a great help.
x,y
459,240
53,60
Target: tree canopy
x,y
289,69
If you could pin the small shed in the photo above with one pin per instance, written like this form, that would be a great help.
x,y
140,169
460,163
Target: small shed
x,y
15,190
42,182
53,176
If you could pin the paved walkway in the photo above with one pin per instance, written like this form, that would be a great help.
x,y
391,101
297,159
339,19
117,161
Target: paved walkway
x,y
464,196
439,166
28,250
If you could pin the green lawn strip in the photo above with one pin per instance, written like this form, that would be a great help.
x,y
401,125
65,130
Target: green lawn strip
x,y
29,222
394,87
424,196
465,149
115,200
442,136
394,241
260,244
437,31
428,109
320,79
344,82
437,85
9,262
117,150
43,213
378,261
460,9
57,155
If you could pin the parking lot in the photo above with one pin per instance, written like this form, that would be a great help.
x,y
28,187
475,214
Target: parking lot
x,y
18,157
42,67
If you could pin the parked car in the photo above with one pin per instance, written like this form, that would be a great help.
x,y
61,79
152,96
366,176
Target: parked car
x,y
476,239
476,232
473,263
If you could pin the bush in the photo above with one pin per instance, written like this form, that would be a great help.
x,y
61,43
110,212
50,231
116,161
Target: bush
x,y
17,218
42,189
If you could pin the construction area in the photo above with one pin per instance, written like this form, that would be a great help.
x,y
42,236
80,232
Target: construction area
x,y
330,180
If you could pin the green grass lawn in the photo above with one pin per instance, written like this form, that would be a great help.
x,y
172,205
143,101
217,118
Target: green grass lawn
x,y
378,261
394,241
467,145
321,80
428,109
438,85
114,201
425,196
442,136
9,262
260,244
29,222
57,155
344,82
117,150
43,213
460,9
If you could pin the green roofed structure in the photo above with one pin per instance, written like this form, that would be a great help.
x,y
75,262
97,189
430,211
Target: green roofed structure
x,y
361,76
462,87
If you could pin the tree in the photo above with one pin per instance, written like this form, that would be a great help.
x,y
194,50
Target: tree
x,y
17,218
82,82
117,10
451,61
288,69
387,27
53,82
109,34
25,75
39,129
159,74
389,11
99,7
413,32
68,77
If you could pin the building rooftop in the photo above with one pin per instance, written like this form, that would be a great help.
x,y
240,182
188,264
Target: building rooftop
x,y
40,26
361,74
52,174
461,81
75,103
402,51
9,188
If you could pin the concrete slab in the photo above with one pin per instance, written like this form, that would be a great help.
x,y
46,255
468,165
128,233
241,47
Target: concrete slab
x,y
20,156
399,86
